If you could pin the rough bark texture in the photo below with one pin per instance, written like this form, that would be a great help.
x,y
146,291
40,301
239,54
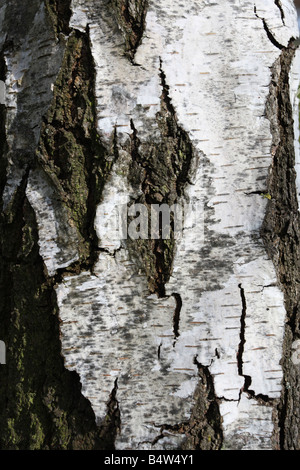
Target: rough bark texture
x,y
188,343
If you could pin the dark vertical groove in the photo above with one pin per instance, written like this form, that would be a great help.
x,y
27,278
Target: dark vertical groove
x,y
161,169
131,17
60,13
242,332
3,160
279,5
280,232
41,404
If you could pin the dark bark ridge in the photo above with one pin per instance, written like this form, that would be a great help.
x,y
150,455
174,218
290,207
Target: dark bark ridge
x,y
163,170
41,404
60,14
3,161
280,232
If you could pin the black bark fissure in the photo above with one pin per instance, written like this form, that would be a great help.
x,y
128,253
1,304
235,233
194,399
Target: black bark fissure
x,y
270,35
247,378
60,13
279,5
280,232
41,405
176,316
111,425
131,17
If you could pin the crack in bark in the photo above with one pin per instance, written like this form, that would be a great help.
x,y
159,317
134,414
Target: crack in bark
x,y
270,35
3,145
265,399
159,351
131,16
60,13
111,425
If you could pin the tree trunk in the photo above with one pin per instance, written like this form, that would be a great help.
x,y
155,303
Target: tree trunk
x,y
128,339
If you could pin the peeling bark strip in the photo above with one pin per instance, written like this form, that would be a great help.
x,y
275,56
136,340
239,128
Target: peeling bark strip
x,y
140,344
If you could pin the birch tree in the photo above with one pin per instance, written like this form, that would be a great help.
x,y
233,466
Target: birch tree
x,y
116,340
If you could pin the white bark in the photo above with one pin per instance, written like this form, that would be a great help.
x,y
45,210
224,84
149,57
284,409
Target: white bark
x,y
217,63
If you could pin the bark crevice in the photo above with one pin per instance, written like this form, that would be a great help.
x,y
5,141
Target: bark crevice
x,y
280,233
176,316
161,170
269,33
111,425
42,406
3,145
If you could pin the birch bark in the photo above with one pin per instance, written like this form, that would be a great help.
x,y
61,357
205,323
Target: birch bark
x,y
186,343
